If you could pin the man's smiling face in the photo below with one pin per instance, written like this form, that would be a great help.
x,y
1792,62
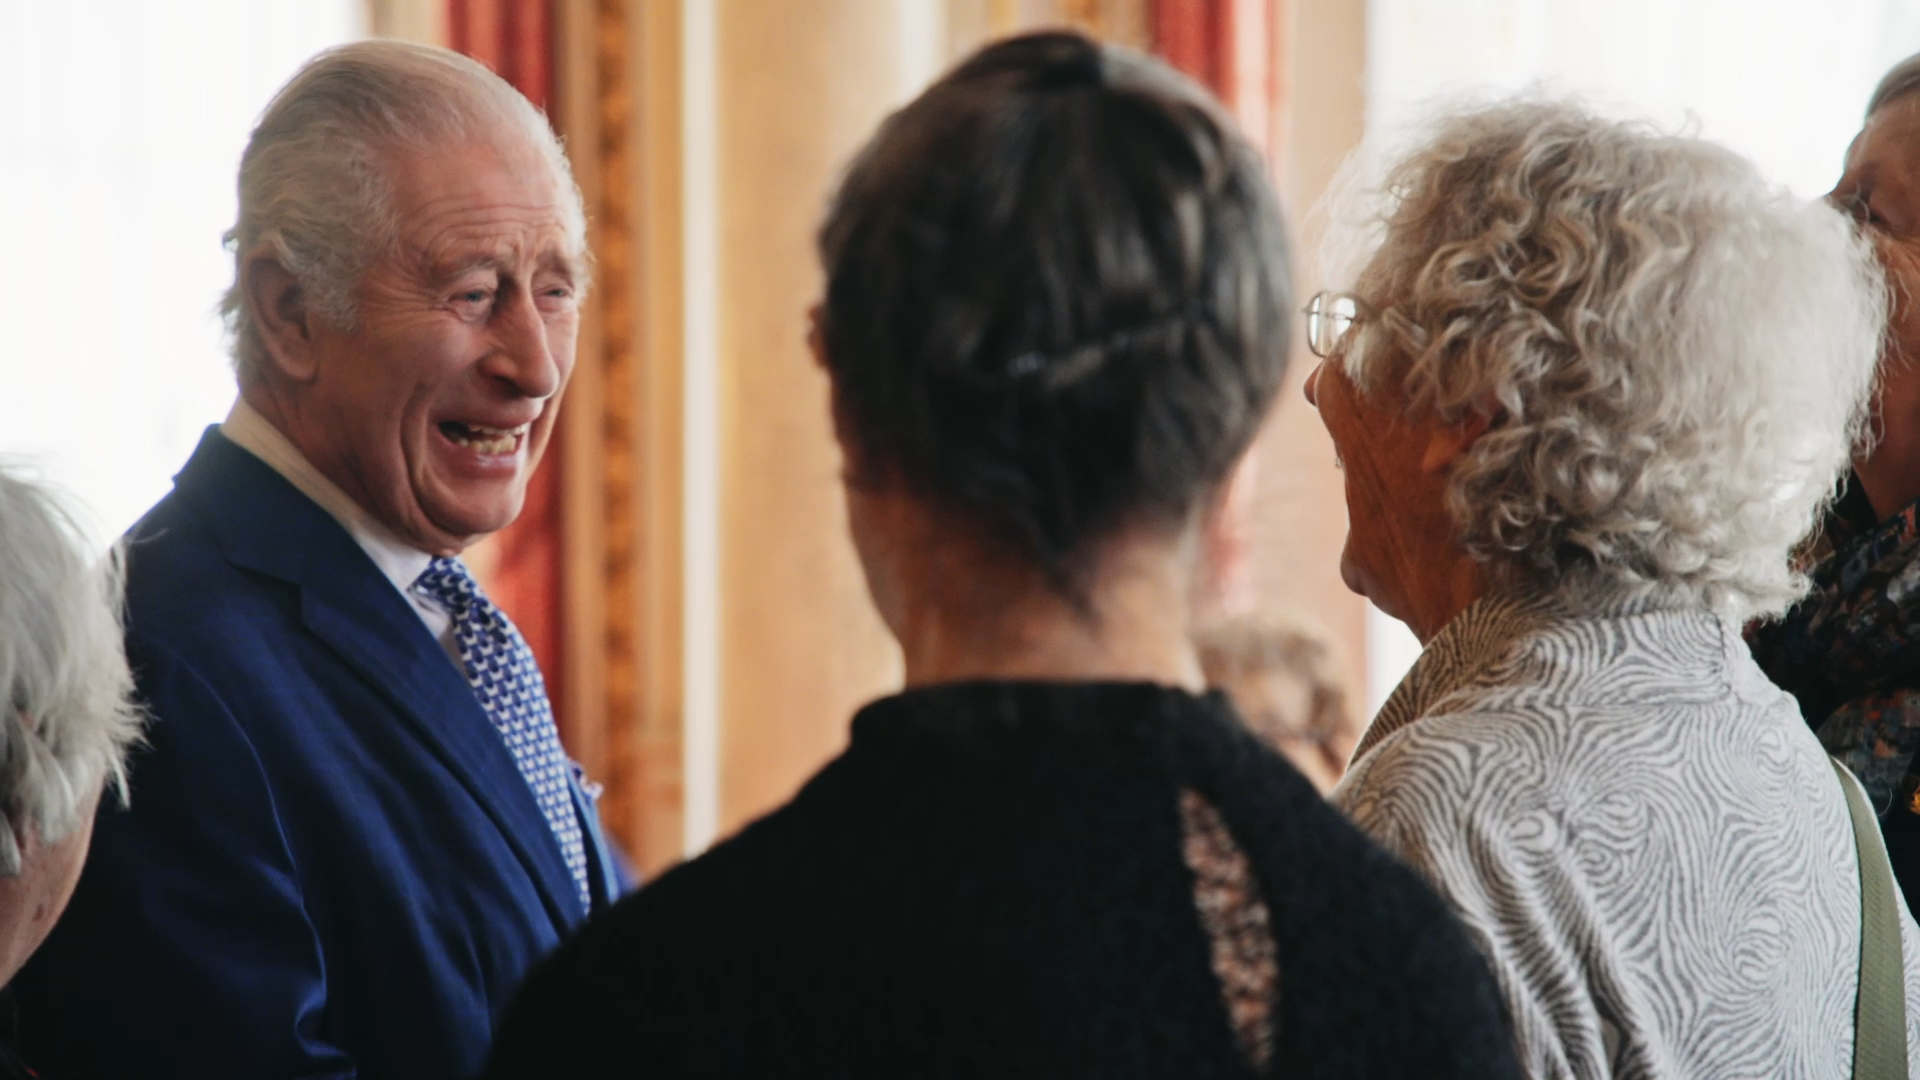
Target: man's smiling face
x,y
434,409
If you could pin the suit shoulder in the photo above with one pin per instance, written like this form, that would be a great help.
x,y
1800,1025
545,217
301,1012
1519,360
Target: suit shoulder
x,y
183,591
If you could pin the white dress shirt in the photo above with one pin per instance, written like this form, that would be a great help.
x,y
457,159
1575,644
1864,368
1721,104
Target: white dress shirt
x,y
399,561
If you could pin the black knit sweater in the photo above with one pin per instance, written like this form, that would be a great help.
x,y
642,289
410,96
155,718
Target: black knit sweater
x,y
990,883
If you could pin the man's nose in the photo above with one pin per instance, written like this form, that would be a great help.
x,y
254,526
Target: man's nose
x,y
522,356
1312,386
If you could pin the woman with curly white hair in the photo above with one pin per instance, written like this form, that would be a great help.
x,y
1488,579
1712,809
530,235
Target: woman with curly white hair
x,y
68,717
1590,386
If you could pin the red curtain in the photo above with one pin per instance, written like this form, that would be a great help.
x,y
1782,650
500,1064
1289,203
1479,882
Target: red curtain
x,y
515,39
1196,37
1233,48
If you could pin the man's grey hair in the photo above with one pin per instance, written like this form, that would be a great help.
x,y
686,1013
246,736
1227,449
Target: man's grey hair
x,y
69,716
314,189
1674,354
1903,79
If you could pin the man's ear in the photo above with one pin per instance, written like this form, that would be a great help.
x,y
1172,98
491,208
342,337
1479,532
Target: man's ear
x,y
278,304
1447,443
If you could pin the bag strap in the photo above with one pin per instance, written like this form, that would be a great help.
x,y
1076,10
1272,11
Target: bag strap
x,y
1880,1012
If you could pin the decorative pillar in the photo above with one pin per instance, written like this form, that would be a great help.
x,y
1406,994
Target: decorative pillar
x,y
617,102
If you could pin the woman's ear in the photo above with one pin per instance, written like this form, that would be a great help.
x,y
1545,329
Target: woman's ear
x,y
852,469
278,303
1447,443
816,338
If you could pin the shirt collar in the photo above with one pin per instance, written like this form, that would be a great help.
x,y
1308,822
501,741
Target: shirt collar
x,y
400,562
1574,649
1463,649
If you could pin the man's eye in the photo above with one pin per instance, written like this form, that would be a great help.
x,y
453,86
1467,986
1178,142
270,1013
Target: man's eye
x,y
475,296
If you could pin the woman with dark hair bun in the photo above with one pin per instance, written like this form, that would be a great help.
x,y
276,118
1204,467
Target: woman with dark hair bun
x,y
1056,313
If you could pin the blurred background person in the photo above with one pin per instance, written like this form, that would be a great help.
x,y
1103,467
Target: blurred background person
x,y
1280,674
356,828
1591,385
1850,651
1055,315
69,719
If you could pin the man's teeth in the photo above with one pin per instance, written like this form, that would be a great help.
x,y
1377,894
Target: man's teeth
x,y
483,439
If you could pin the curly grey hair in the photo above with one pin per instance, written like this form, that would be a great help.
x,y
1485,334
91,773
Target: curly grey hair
x,y
70,716
313,184
1674,354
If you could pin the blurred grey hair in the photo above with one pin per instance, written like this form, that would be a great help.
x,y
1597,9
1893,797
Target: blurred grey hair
x,y
1903,79
313,186
69,716
1674,354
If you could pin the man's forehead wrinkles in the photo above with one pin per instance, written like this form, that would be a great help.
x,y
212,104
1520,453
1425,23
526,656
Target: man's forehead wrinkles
x,y
480,223
472,244
461,202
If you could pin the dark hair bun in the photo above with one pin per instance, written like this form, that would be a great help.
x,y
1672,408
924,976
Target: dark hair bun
x,y
1057,295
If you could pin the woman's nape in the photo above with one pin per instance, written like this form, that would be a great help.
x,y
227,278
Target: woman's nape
x,y
965,606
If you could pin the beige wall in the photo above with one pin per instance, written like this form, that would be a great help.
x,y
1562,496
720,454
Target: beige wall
x,y
424,21
1300,519
801,86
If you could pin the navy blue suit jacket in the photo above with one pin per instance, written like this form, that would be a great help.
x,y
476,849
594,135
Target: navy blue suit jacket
x,y
331,866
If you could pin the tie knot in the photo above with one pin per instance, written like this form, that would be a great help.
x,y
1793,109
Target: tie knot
x,y
448,581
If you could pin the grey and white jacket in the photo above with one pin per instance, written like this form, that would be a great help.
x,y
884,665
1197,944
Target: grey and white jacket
x,y
1641,834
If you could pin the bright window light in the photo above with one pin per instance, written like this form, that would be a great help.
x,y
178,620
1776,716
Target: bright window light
x,y
122,123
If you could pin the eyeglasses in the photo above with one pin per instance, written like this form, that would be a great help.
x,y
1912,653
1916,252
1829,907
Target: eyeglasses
x,y
1330,318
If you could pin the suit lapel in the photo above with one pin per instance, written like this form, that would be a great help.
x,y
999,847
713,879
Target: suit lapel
x,y
606,879
267,525
409,667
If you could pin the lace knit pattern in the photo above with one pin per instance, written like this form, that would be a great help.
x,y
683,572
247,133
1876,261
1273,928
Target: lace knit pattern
x,y
1237,924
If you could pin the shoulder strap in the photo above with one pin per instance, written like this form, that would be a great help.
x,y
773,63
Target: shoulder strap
x,y
1880,1013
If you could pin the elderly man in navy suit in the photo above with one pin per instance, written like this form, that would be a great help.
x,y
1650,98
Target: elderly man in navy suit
x,y
354,828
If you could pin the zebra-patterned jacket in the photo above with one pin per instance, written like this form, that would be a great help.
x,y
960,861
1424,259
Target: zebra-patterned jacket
x,y
1641,834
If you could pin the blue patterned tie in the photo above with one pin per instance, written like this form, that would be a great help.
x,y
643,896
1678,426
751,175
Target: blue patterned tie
x,y
507,681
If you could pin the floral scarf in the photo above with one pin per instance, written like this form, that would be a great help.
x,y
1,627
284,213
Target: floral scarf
x,y
1850,651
